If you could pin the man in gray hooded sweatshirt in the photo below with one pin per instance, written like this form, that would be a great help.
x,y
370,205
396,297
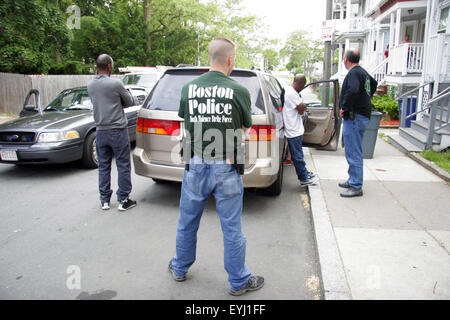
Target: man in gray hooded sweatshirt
x,y
109,97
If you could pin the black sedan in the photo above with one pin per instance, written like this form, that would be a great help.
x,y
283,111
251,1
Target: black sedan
x,y
64,131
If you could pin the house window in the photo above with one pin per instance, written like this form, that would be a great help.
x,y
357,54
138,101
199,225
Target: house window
x,y
443,20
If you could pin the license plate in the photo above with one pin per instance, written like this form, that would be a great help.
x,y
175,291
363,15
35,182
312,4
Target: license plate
x,y
8,155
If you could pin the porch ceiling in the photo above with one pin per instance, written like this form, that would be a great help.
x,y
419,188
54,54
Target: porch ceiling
x,y
419,9
353,36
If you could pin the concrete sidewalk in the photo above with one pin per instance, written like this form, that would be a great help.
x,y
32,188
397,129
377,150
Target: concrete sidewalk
x,y
392,243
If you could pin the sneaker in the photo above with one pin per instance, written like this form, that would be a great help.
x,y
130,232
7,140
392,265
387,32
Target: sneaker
x,y
312,174
253,284
312,180
127,204
174,276
106,206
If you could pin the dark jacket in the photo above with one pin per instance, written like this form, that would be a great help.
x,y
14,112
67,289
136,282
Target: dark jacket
x,y
357,91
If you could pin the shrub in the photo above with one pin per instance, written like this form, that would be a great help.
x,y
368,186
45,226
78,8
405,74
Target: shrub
x,y
70,67
386,105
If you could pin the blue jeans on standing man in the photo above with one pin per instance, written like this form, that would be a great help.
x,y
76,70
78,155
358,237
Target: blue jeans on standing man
x,y
353,132
113,143
296,149
222,180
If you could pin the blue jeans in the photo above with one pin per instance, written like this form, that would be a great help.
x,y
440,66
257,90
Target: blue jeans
x,y
296,148
203,178
113,143
353,132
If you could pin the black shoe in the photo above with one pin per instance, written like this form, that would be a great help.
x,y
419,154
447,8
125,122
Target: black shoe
x,y
253,284
352,192
174,276
127,204
344,185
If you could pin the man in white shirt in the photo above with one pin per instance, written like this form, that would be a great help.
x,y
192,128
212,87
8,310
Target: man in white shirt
x,y
293,110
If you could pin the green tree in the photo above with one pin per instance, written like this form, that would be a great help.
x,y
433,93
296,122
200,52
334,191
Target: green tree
x,y
33,35
303,52
243,29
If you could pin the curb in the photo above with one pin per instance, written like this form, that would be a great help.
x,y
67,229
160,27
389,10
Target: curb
x,y
441,173
334,280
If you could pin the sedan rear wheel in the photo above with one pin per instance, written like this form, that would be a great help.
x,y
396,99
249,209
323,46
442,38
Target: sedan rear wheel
x,y
90,158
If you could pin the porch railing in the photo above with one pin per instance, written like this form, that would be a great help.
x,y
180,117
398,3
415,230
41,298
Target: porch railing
x,y
380,71
438,52
359,24
406,58
438,109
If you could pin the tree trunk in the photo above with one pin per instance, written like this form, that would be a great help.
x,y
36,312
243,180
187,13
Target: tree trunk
x,y
57,56
148,15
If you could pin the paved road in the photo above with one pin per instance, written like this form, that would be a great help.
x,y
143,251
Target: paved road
x,y
52,230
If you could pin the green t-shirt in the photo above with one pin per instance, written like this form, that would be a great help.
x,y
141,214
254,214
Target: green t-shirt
x,y
214,108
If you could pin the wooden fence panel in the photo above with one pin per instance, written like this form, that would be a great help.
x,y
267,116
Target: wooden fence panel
x,y
15,87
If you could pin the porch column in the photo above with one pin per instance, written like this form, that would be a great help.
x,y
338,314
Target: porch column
x,y
342,10
398,27
379,47
341,56
392,31
349,10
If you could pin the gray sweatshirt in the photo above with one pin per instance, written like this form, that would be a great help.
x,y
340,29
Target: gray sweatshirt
x,y
109,97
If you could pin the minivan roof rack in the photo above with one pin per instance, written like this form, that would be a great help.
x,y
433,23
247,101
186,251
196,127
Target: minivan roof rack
x,y
184,65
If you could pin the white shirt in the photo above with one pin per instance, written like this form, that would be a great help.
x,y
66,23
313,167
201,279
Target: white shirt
x,y
293,122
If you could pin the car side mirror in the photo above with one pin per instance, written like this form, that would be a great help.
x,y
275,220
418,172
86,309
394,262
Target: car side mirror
x,y
30,107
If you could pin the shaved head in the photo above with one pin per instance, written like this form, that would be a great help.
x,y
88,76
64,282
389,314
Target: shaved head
x,y
299,82
220,49
300,78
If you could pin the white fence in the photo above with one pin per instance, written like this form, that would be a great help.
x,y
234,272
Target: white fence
x,y
14,88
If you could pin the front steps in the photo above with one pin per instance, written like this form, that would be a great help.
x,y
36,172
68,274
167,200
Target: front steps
x,y
414,139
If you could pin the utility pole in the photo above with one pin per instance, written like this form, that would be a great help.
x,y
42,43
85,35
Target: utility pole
x,y
327,51
148,16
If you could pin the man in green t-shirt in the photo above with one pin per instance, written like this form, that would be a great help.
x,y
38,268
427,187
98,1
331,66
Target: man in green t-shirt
x,y
216,109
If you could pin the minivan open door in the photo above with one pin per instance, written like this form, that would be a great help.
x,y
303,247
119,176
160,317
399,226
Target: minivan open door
x,y
322,126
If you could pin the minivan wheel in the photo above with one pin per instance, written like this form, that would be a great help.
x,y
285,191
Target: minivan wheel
x,y
275,189
90,159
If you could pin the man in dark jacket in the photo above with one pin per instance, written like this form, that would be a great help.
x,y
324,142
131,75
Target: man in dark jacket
x,y
355,104
109,97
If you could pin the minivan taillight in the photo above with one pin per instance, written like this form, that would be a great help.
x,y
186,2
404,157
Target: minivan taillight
x,y
160,127
262,133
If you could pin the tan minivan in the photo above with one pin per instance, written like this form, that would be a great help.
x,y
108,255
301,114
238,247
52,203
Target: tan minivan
x,y
160,132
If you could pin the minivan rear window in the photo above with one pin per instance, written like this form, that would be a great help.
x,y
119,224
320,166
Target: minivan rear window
x,y
166,94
